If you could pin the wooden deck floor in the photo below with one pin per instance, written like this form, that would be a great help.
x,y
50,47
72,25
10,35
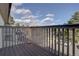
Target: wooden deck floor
x,y
24,50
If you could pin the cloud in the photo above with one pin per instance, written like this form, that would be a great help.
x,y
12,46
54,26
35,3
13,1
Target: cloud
x,y
17,4
28,22
34,21
48,20
20,20
50,15
14,8
28,17
23,11
18,11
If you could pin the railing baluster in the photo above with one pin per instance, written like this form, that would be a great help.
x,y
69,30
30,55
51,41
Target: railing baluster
x,y
55,40
22,34
52,40
9,35
3,37
62,41
15,40
67,42
4,40
58,41
9,39
23,29
44,36
73,46
49,37
12,36
6,35
13,33
17,36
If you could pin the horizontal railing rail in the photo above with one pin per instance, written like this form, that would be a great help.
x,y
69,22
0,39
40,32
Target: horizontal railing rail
x,y
55,26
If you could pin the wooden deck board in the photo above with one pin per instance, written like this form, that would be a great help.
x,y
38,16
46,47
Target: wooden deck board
x,y
46,52
29,51
35,51
15,49
24,50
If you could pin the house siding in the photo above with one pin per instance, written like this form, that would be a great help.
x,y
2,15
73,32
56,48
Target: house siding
x,y
1,24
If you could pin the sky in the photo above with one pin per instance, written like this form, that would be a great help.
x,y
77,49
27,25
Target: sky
x,y
43,13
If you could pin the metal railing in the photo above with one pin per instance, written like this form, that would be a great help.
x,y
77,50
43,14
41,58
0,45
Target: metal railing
x,y
57,39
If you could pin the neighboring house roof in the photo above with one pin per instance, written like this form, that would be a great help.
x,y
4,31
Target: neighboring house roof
x,y
5,11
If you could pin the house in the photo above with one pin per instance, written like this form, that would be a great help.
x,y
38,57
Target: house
x,y
4,17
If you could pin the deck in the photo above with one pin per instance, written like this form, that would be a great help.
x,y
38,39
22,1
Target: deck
x,y
24,50
49,41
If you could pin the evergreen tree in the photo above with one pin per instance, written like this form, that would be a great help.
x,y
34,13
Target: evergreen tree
x,y
75,20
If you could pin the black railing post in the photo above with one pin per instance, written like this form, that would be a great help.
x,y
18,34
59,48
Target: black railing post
x,y
52,40
44,37
12,36
55,40
49,37
15,41
23,36
62,41
58,41
9,36
67,41
73,46
3,38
